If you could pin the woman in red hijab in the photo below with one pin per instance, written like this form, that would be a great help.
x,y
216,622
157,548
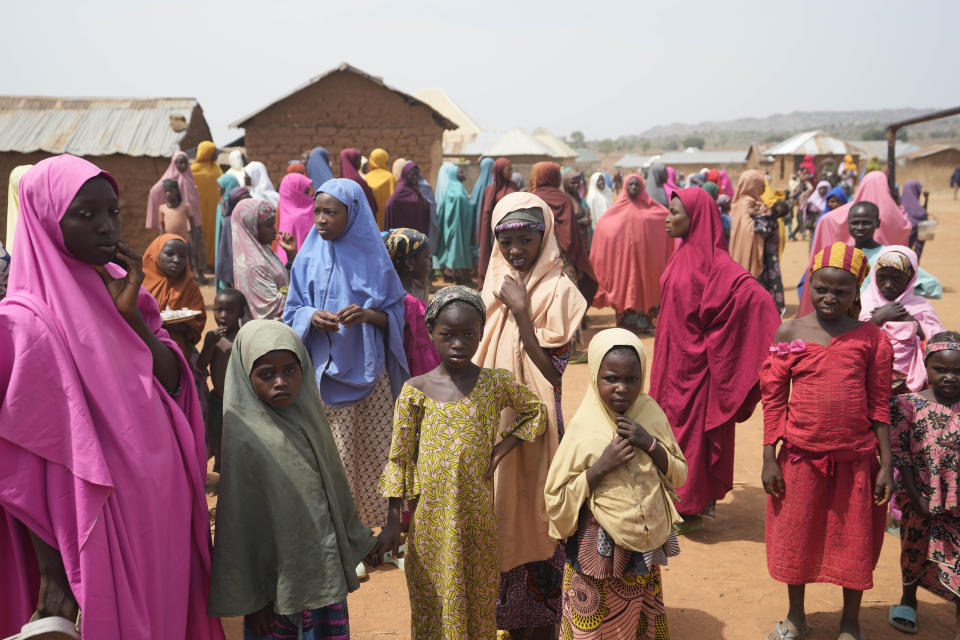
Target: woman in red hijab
x,y
715,328
573,247
629,253
494,193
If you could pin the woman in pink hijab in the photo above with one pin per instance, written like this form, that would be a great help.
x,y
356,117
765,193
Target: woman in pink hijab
x,y
894,225
295,211
102,457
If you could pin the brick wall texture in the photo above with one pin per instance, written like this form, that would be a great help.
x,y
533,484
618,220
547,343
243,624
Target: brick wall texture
x,y
341,111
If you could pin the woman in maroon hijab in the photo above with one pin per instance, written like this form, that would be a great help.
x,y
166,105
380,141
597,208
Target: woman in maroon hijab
x,y
350,168
573,247
715,329
502,185
406,207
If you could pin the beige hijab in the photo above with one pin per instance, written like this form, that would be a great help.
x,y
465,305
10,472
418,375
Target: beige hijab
x,y
13,203
397,168
634,502
556,308
746,247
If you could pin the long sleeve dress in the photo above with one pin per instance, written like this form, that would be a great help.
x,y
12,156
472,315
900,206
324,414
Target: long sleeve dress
x,y
439,455
826,527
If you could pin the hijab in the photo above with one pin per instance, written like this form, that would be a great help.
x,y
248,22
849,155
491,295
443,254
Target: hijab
x,y
598,200
501,186
407,207
726,185
556,309
456,224
443,177
397,169
911,202
318,166
296,209
181,292
13,202
224,264
671,186
188,191
816,201
283,492
381,182
257,271
227,183
484,180
348,158
836,192
235,159
873,165
746,246
205,172
295,167
848,163
712,188
261,187
907,345
638,481
70,407
330,275
656,178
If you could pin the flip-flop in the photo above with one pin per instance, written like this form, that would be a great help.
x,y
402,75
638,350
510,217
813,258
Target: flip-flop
x,y
52,628
689,526
905,613
786,630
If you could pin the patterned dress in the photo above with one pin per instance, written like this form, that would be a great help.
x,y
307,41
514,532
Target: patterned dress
x,y
769,277
440,453
925,438
612,592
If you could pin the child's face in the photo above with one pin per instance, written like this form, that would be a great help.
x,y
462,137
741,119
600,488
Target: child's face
x,y
330,216
520,247
456,332
172,196
276,377
832,292
420,264
892,282
862,223
91,225
943,372
620,379
181,163
833,202
227,310
173,258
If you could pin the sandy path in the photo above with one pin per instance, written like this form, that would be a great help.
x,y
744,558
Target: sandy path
x,y
719,588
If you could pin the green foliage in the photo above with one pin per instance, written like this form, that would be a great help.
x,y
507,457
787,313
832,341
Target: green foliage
x,y
694,141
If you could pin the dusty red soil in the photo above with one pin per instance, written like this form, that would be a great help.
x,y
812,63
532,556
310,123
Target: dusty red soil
x,y
719,588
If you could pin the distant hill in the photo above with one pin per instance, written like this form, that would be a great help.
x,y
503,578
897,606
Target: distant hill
x,y
739,133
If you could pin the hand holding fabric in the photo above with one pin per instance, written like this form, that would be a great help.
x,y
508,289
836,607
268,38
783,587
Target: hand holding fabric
x,y
324,321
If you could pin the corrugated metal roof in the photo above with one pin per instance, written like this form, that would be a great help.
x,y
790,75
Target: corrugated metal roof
x,y
440,101
812,143
878,148
94,126
705,158
437,116
518,142
560,148
634,161
586,156
928,151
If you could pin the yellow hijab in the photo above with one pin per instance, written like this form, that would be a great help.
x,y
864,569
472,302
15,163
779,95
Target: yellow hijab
x,y
381,181
13,203
634,502
205,173
848,163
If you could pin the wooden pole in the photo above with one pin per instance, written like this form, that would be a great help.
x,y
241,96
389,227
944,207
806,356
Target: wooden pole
x,y
892,142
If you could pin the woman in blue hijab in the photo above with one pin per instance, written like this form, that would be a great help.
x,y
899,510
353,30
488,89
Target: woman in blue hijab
x,y
346,303
227,183
476,196
318,167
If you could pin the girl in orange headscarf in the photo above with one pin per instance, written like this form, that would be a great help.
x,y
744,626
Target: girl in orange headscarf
x,y
167,276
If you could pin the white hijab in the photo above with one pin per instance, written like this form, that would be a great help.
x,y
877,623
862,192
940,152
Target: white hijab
x,y
260,186
598,200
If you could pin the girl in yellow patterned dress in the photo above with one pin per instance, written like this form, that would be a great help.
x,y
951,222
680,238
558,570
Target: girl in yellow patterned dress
x,y
444,452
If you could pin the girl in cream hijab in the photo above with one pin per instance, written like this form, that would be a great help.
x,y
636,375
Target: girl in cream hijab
x,y
611,486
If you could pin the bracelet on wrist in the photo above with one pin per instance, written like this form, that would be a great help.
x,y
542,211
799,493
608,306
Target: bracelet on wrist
x,y
653,445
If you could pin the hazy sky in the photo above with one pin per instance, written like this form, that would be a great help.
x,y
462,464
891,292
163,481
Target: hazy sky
x,y
602,69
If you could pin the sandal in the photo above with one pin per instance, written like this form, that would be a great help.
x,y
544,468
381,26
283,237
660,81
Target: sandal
x,y
903,618
52,628
786,630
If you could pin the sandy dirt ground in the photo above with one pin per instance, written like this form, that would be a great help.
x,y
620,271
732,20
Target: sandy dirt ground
x,y
718,587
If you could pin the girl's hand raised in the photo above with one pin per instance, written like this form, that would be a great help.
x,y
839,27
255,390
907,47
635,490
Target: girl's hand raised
x,y
288,242
513,294
883,487
124,291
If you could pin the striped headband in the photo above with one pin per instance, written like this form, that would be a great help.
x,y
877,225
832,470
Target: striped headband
x,y
842,256
894,260
933,347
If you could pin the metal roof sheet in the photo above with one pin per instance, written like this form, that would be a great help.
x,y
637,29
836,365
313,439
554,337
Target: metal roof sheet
x,y
94,126
518,142
585,155
812,143
878,148
928,151
705,158
560,148
443,103
634,161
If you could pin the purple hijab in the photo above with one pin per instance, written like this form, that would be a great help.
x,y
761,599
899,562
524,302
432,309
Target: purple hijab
x,y
407,207
910,199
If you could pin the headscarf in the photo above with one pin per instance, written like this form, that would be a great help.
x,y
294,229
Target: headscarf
x,y
809,165
840,255
283,493
318,166
456,224
381,182
188,191
566,226
295,167
556,309
746,247
848,163
671,186
181,292
347,170
715,326
397,168
517,179
484,180
13,202
836,192
936,347
726,185
205,173
330,275
630,252
908,356
910,198
832,227
816,201
427,192
656,178
407,206
261,187
295,213
257,271
83,430
227,183
714,176
443,176
873,165
225,247
236,167
638,481
494,193
447,296
402,243
598,200
712,188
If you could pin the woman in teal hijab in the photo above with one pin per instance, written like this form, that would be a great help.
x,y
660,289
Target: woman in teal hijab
x,y
227,182
456,226
712,188
476,196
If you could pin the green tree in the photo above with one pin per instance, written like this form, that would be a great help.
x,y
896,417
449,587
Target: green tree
x,y
577,139
605,146
694,141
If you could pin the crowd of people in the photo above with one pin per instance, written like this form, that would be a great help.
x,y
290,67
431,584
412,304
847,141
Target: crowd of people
x,y
356,414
